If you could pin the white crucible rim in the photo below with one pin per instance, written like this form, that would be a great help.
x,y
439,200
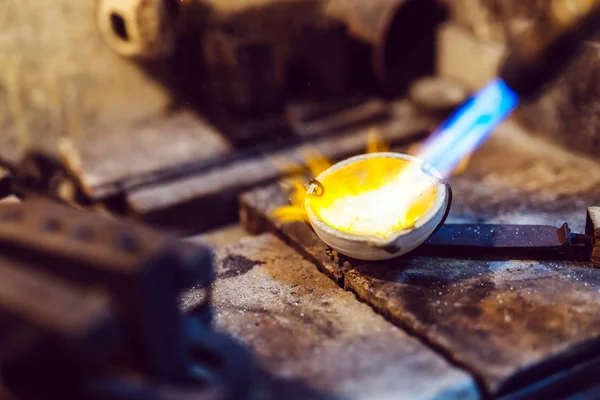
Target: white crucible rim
x,y
441,198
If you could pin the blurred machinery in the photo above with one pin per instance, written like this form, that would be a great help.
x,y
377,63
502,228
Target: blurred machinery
x,y
110,325
243,63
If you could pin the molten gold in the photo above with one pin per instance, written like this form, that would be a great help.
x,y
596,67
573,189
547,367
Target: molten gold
x,y
350,192
369,197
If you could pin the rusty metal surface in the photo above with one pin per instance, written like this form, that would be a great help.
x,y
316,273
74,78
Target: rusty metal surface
x,y
315,338
512,322
311,50
255,209
320,65
204,200
388,41
504,320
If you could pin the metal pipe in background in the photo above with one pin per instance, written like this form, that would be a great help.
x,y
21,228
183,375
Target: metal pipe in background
x,y
400,35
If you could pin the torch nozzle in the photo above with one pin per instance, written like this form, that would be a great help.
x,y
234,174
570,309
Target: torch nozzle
x,y
545,50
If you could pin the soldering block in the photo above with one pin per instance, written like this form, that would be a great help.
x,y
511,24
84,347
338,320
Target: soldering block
x,y
592,229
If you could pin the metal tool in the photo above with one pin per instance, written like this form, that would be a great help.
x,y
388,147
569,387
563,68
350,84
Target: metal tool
x,y
518,242
89,308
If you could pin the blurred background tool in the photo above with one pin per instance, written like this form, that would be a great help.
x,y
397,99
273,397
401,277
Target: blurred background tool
x,y
89,308
536,61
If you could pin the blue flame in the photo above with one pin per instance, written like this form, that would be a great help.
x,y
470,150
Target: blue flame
x,y
469,126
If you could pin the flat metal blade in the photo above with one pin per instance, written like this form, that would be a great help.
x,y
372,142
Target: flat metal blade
x,y
495,241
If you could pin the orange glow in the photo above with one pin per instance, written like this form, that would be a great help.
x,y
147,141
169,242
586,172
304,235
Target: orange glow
x,y
295,211
375,144
315,163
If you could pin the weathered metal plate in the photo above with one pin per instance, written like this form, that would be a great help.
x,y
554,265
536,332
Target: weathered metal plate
x,y
178,204
107,160
316,338
501,319
510,323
